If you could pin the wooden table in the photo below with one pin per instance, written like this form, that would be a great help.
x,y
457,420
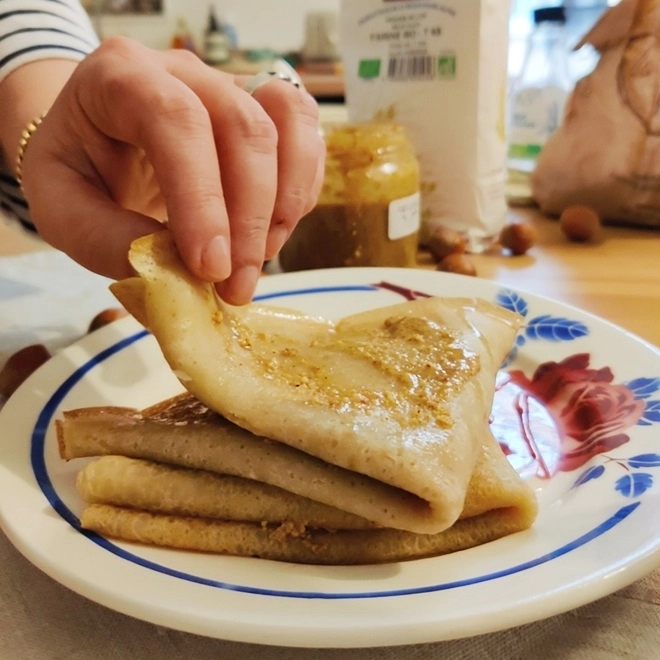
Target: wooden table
x,y
617,278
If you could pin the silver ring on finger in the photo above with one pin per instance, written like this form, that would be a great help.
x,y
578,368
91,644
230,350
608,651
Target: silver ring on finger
x,y
265,77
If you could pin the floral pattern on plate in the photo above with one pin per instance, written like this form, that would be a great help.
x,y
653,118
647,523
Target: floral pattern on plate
x,y
567,412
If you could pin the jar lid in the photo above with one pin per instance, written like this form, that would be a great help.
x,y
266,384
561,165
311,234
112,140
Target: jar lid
x,y
550,15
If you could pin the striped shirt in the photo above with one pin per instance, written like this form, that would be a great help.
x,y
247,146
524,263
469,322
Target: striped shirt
x,y
32,30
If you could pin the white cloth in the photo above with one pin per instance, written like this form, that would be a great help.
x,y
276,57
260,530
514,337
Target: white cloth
x,y
47,298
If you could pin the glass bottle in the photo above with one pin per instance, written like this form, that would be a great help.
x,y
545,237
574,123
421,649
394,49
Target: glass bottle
x,y
181,37
368,210
538,96
216,41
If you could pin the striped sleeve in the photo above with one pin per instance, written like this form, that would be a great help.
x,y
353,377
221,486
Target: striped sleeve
x,y
32,30
40,29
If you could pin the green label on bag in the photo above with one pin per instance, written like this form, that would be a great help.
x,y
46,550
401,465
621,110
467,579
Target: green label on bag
x,y
524,150
447,66
369,68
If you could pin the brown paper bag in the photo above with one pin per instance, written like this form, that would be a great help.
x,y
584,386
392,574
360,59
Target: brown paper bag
x,y
606,153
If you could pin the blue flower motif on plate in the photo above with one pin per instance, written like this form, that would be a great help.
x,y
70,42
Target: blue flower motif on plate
x,y
545,327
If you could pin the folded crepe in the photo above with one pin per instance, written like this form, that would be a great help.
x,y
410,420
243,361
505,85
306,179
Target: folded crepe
x,y
382,414
152,499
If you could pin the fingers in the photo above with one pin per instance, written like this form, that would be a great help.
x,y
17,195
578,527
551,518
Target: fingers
x,y
162,115
271,157
82,221
301,151
247,148
235,172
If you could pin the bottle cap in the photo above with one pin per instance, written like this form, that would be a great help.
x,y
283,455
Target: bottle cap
x,y
550,15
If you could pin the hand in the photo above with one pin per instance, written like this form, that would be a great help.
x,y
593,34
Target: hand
x,y
139,136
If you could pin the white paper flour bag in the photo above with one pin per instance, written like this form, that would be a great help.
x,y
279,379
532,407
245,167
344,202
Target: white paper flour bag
x,y
439,69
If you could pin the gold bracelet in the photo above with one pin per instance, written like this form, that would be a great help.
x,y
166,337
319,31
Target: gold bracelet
x,y
27,133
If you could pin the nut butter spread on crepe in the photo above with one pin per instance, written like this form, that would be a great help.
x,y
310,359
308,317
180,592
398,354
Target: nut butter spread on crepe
x,y
399,394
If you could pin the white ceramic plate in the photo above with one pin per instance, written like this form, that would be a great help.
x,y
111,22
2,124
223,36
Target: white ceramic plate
x,y
595,465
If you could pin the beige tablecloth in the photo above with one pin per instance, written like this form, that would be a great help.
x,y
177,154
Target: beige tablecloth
x,y
42,620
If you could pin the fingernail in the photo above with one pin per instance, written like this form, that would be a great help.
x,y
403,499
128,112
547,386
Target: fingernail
x,y
239,288
216,259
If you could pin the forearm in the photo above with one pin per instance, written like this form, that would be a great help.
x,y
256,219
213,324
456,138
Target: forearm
x,y
25,94
40,45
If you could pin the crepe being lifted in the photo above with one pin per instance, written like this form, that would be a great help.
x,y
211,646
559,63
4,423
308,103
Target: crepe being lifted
x,y
398,395
157,501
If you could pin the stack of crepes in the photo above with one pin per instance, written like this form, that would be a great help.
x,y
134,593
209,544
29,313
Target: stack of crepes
x,y
299,439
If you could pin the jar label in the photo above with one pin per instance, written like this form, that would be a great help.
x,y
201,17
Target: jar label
x,y
403,216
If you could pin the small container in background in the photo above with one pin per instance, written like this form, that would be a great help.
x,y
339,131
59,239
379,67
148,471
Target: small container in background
x,y
216,41
368,210
540,93
321,42
181,37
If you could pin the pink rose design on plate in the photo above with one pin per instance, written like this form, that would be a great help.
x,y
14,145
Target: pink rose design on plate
x,y
590,410
565,414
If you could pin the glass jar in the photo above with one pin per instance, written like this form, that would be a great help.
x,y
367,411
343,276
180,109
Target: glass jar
x,y
368,210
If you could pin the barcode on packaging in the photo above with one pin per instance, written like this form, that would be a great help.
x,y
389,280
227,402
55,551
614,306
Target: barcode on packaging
x,y
421,67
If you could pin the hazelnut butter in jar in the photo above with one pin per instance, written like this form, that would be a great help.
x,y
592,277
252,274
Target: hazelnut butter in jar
x,y
368,210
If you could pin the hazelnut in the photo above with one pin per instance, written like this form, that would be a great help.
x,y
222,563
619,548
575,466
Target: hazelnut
x,y
444,241
457,262
20,365
428,226
518,237
105,317
580,223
